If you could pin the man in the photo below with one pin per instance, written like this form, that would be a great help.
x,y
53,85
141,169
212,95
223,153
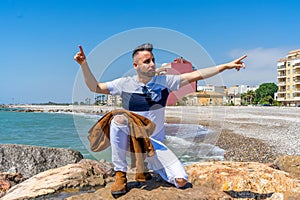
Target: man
x,y
146,94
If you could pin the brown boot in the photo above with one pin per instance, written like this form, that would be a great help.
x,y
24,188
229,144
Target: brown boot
x,y
140,177
143,177
120,185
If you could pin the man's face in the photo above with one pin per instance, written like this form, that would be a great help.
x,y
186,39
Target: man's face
x,y
144,63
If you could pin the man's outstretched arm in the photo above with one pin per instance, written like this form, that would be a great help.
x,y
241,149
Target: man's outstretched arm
x,y
89,78
200,74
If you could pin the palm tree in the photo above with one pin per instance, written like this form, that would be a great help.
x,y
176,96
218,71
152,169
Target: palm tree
x,y
248,97
251,94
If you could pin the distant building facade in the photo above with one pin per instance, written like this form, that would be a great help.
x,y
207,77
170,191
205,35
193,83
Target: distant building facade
x,y
179,66
114,100
205,98
233,95
288,78
218,95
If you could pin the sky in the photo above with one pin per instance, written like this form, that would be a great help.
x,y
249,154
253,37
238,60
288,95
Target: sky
x,y
40,38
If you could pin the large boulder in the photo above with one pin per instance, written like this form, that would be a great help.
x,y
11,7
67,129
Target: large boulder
x,y
31,160
86,173
70,181
211,180
243,179
290,164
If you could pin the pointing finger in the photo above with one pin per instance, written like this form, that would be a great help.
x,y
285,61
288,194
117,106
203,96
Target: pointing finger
x,y
241,58
81,50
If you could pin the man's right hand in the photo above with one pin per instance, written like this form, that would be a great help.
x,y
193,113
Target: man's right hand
x,y
80,56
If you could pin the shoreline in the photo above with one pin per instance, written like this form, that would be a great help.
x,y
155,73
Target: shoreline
x,y
246,133
269,130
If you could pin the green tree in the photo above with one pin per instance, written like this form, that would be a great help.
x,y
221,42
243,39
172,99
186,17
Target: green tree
x,y
267,100
264,90
248,97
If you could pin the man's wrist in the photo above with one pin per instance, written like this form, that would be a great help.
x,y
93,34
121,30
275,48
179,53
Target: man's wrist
x,y
222,67
84,63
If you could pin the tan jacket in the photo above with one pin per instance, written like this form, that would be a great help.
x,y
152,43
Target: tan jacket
x,y
140,129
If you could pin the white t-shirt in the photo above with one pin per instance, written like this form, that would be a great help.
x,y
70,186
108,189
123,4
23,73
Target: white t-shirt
x,y
147,100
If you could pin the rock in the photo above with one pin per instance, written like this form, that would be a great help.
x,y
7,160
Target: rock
x,y
13,178
161,193
211,180
7,180
86,173
242,179
4,185
290,164
31,160
153,189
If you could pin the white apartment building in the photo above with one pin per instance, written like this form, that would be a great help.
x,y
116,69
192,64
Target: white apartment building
x,y
288,77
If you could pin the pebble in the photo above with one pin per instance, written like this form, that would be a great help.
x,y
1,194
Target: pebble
x,y
248,133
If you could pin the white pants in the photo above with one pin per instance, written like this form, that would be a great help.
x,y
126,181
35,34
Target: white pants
x,y
164,162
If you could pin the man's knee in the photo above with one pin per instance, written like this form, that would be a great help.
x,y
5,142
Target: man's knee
x,y
120,119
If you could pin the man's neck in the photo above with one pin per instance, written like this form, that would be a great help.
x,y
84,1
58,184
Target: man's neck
x,y
144,79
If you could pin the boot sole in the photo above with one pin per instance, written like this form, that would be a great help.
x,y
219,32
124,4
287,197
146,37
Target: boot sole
x,y
117,194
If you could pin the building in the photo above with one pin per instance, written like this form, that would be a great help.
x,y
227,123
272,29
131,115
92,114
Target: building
x,y
211,88
114,100
233,95
205,98
288,77
179,66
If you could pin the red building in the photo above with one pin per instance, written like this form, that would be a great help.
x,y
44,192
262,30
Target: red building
x,y
180,66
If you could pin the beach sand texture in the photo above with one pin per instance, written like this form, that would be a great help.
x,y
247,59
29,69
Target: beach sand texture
x,y
248,133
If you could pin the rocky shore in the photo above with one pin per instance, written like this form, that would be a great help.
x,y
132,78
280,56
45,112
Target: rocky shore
x,y
258,134
90,179
262,160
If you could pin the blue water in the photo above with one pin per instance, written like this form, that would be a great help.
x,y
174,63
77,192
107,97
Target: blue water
x,y
40,129
65,130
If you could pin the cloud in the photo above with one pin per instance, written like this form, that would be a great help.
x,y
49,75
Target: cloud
x,y
261,66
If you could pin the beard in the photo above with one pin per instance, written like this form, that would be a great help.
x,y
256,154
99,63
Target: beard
x,y
148,74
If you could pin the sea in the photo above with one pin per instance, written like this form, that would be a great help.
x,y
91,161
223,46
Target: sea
x,y
69,130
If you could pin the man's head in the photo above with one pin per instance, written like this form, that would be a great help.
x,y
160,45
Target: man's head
x,y
143,60
143,47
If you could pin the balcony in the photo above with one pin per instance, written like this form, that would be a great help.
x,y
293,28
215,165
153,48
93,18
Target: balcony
x,y
282,83
297,62
297,74
281,68
297,66
280,99
281,75
297,90
297,82
281,91
296,98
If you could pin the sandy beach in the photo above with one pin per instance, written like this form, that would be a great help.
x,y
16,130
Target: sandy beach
x,y
246,133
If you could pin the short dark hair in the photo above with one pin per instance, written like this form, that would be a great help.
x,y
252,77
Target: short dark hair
x,y
143,47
